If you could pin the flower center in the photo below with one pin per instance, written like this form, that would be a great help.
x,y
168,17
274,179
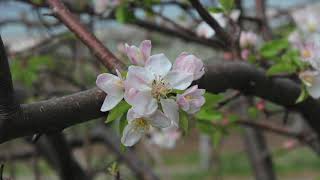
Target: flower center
x,y
308,79
160,88
188,97
120,84
312,27
306,53
142,123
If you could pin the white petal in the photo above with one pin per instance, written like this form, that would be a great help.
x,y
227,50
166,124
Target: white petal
x,y
144,104
131,115
314,90
139,78
131,135
110,102
179,80
171,110
159,120
159,65
110,84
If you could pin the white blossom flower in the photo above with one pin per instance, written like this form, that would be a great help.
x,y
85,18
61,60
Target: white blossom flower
x,y
312,81
152,84
139,56
189,63
166,137
248,39
191,100
138,125
113,86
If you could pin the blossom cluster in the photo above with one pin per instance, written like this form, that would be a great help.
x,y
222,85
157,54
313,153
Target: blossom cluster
x,y
153,87
306,40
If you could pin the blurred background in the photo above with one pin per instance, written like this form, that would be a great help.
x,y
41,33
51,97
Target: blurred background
x,y
47,61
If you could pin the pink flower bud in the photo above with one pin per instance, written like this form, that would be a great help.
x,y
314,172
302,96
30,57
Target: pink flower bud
x,y
190,64
248,39
139,56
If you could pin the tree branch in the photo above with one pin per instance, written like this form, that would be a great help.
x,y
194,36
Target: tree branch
x,y
211,21
97,48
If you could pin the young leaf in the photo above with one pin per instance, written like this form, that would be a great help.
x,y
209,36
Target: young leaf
x,y
227,4
303,95
124,14
283,67
272,48
184,122
118,111
209,115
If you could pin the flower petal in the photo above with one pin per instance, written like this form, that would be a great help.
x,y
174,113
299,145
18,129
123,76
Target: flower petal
x,y
179,80
131,115
144,104
171,110
159,65
110,102
131,135
138,78
314,89
145,48
159,120
110,84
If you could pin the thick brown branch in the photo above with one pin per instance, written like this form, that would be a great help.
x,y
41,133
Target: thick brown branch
x,y
57,114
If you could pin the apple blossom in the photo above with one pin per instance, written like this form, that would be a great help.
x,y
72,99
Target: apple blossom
x,y
152,84
245,54
307,21
312,81
139,56
113,86
138,125
248,39
189,63
191,100
204,30
166,137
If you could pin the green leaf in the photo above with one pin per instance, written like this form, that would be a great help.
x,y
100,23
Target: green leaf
x,y
283,67
184,122
211,100
272,48
216,138
215,10
122,124
124,14
303,95
227,5
233,117
118,111
253,112
209,115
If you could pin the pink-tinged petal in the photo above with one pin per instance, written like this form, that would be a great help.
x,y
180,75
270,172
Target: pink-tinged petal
x,y
135,55
159,65
110,102
159,120
179,80
190,90
131,115
145,48
144,104
131,134
139,78
130,94
183,103
171,110
196,104
110,84
189,63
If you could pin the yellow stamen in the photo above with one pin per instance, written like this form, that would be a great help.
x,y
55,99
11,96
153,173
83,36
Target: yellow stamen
x,y
306,53
142,123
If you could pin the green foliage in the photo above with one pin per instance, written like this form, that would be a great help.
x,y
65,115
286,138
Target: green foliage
x,y
124,14
209,115
282,67
27,71
215,10
253,112
271,49
184,122
227,5
118,111
303,94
